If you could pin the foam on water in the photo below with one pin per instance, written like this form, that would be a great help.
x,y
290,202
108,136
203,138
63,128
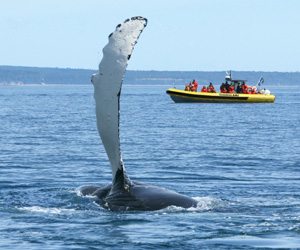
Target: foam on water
x,y
79,193
204,204
37,209
207,204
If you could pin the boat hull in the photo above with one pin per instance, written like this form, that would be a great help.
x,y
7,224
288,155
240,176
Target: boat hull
x,y
181,96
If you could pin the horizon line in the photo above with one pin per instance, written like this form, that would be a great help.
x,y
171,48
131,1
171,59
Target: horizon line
x,y
40,67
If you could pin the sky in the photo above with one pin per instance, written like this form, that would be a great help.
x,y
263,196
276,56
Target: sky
x,y
187,35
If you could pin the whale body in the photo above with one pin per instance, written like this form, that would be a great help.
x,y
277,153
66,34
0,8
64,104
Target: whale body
x,y
123,194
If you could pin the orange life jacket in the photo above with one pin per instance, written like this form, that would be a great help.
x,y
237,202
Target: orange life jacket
x,y
196,86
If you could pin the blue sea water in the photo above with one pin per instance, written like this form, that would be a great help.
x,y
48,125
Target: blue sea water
x,y
240,161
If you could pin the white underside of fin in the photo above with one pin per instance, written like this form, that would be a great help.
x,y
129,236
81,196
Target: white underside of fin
x,y
107,86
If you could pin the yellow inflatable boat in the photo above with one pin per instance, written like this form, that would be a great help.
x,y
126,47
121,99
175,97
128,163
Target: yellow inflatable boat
x,y
179,96
236,97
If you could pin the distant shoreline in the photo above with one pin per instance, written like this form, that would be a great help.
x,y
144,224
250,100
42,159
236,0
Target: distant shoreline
x,y
129,85
17,75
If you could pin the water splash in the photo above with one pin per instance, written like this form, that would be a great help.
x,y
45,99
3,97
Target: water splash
x,y
204,204
37,209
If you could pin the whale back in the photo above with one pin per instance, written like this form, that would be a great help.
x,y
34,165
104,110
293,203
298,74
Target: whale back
x,y
107,88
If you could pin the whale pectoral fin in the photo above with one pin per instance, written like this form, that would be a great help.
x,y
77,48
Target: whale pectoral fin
x,y
123,194
108,82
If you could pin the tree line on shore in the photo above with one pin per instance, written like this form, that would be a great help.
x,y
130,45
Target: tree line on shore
x,y
34,75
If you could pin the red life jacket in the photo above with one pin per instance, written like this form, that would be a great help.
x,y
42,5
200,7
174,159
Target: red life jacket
x,y
210,88
196,86
231,88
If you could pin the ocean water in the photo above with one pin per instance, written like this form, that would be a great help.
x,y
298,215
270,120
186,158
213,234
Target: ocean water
x,y
240,161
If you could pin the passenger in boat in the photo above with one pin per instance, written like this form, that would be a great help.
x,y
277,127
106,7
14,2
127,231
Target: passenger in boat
x,y
239,88
223,88
254,90
204,89
195,85
259,92
192,88
211,88
227,86
231,89
244,87
187,88
249,91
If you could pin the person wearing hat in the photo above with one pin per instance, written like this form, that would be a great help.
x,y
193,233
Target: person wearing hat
x,y
254,90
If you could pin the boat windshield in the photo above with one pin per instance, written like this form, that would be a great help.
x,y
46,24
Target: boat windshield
x,y
235,83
